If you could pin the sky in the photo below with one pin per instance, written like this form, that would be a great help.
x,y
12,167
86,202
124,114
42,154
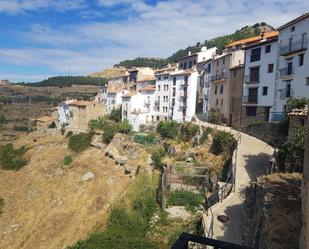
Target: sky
x,y
43,38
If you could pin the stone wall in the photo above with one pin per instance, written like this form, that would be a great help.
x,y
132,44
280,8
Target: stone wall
x,y
304,238
273,212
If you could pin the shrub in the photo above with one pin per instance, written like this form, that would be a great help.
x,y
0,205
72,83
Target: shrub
x,y
11,159
188,199
96,124
215,117
144,139
156,157
124,127
109,132
206,132
223,142
115,115
67,160
52,125
80,142
168,129
295,103
20,128
188,130
1,204
3,119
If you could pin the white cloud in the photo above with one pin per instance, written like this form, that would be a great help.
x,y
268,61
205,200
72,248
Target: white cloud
x,y
156,31
21,6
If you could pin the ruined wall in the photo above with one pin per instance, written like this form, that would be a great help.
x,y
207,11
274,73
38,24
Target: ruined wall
x,y
304,237
273,212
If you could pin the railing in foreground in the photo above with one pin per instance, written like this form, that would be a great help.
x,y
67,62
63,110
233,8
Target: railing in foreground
x,y
186,241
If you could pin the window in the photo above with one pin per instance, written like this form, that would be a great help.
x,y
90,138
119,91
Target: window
x,y
304,40
301,60
234,73
265,90
270,68
307,81
254,74
255,54
217,63
223,61
251,111
174,91
158,118
181,65
159,78
190,64
292,28
186,80
194,62
221,101
267,49
221,89
288,89
174,81
184,65
217,101
159,87
216,89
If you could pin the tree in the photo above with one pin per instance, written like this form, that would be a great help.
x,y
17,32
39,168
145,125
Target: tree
x,y
188,130
168,129
295,103
115,115
80,142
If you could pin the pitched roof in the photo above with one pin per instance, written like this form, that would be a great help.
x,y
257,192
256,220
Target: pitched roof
x,y
45,119
296,20
267,35
183,72
148,88
147,78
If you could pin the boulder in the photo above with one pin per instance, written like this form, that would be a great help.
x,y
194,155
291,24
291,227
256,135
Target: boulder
x,y
88,176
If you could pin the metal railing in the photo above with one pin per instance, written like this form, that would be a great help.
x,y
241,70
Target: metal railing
x,y
294,46
251,99
255,57
219,76
186,241
286,71
249,79
285,93
157,102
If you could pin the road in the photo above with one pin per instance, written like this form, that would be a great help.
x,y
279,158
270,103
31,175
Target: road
x,y
252,160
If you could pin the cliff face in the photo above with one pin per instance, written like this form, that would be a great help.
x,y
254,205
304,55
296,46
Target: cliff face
x,y
273,212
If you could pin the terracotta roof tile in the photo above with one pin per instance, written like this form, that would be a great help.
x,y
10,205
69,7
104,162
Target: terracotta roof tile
x,y
148,88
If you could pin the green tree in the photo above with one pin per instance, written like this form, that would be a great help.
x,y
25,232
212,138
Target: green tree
x,y
188,130
168,129
295,103
80,142
115,115
12,159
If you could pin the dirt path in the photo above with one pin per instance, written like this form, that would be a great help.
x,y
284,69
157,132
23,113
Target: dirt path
x,y
252,161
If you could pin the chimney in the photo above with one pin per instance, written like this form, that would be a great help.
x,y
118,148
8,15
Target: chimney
x,y
189,53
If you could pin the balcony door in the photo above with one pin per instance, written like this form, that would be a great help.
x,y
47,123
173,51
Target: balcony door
x,y
290,68
252,95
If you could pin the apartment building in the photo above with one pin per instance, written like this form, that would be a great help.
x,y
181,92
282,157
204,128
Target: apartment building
x,y
206,80
146,81
220,81
259,79
138,107
293,64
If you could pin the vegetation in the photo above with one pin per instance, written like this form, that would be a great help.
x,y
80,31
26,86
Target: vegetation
x,y
3,119
156,156
291,154
223,142
67,160
145,139
143,62
115,115
62,81
215,117
295,103
52,125
20,128
188,199
69,134
80,142
129,222
188,130
206,132
168,129
12,159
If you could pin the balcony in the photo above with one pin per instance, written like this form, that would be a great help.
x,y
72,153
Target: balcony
x,y
250,100
185,84
294,47
255,57
285,93
157,102
183,96
219,76
250,79
183,105
147,102
286,72
186,241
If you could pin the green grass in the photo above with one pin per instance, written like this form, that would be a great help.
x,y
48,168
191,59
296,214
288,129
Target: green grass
x,y
190,200
67,160
12,159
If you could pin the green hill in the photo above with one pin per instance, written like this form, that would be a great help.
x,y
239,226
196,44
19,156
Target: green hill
x,y
220,42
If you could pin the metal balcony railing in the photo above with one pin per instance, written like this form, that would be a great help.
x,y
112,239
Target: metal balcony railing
x,y
219,76
285,93
147,102
255,57
294,46
157,102
186,241
250,99
287,71
250,79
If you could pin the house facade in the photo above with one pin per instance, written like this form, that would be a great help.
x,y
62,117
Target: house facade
x,y
259,80
206,79
293,64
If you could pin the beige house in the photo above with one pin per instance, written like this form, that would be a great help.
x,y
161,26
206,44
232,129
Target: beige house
x,y
221,81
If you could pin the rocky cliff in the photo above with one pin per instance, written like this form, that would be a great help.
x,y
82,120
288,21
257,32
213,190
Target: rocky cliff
x,y
273,212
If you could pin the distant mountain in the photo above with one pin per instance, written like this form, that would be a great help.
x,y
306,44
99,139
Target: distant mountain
x,y
220,42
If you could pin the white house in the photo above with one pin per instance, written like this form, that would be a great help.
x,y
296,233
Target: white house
x,y
138,107
293,64
259,78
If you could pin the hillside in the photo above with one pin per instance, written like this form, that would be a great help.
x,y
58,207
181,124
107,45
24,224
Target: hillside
x,y
220,42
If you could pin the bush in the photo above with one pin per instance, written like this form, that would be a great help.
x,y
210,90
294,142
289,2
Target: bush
x,y
69,134
206,132
295,103
1,204
67,160
3,119
115,115
109,132
20,128
188,199
11,159
80,142
188,130
156,157
215,117
144,139
52,125
169,129
223,142
96,124
124,127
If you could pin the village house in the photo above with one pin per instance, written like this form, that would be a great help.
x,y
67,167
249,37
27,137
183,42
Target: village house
x,y
259,79
75,115
293,64
206,80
